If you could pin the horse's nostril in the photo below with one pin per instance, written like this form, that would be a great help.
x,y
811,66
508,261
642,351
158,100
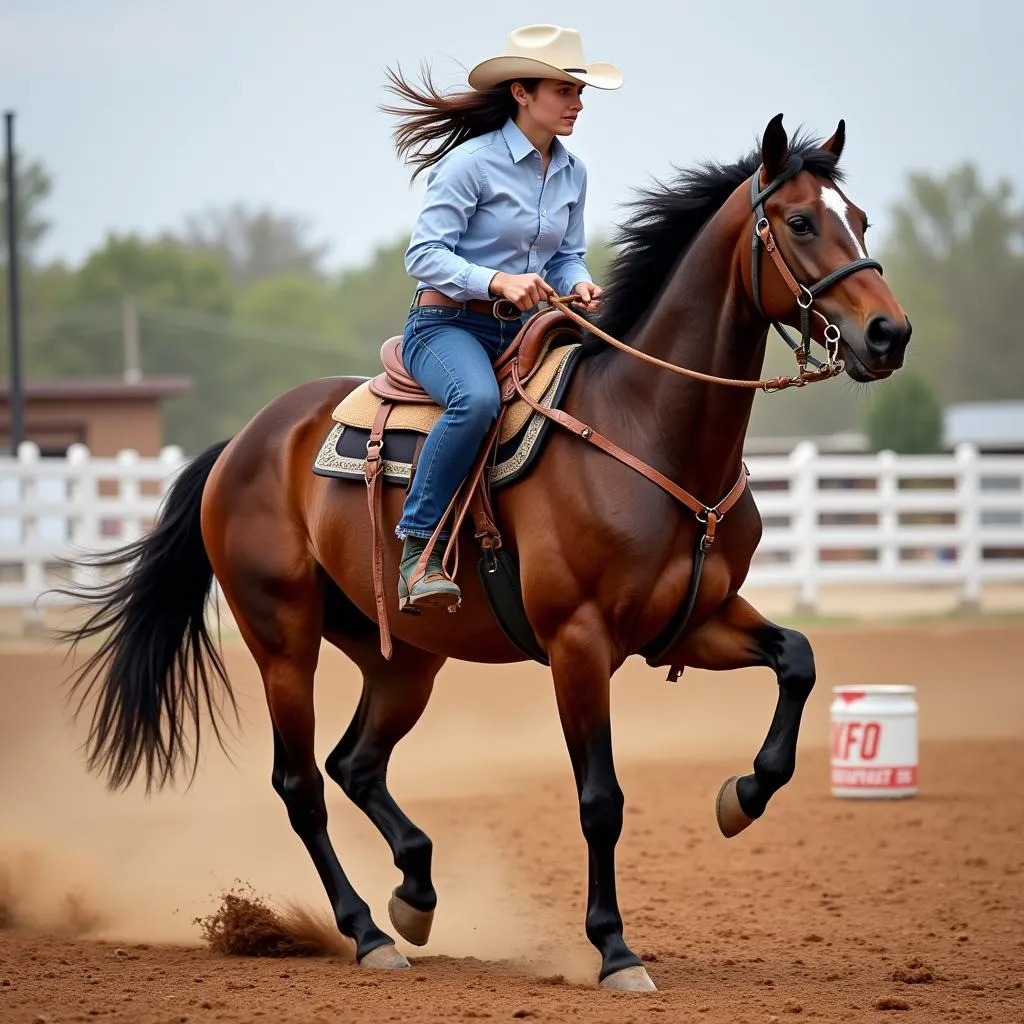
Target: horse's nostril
x,y
884,335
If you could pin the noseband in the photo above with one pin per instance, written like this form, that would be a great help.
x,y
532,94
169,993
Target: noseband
x,y
804,294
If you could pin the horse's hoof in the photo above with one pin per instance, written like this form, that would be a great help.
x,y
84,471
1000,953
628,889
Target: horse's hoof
x,y
630,979
412,924
385,958
731,819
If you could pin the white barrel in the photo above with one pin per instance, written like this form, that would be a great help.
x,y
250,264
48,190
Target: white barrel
x,y
874,741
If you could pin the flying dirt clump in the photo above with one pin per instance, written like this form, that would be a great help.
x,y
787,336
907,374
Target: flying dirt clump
x,y
245,925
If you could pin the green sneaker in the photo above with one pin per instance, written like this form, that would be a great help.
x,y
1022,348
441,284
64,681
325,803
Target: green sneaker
x,y
434,590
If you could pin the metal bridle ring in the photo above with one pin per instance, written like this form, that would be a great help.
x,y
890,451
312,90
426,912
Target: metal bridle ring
x,y
804,291
832,334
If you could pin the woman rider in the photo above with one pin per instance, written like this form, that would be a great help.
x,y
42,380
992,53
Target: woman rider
x,y
502,219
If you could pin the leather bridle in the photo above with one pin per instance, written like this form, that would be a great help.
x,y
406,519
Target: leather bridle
x,y
804,294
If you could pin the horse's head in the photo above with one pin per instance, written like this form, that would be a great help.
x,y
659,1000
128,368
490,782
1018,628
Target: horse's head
x,y
820,273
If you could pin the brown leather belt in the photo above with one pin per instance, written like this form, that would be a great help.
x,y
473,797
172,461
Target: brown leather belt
x,y
502,309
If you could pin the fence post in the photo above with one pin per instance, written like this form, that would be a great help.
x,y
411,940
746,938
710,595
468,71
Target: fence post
x,y
32,566
888,516
129,493
83,494
968,492
804,491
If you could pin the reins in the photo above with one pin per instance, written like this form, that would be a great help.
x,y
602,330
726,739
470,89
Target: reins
x,y
771,384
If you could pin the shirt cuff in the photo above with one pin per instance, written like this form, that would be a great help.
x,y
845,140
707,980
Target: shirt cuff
x,y
564,280
477,280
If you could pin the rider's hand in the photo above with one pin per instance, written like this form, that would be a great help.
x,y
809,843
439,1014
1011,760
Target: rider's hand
x,y
589,293
523,290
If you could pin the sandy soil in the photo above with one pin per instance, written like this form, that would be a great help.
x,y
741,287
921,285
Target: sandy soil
x,y
838,910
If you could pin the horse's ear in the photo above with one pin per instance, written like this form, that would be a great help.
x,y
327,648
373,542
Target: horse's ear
x,y
774,148
838,140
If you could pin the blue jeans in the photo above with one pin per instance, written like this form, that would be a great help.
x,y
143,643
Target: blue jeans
x,y
449,352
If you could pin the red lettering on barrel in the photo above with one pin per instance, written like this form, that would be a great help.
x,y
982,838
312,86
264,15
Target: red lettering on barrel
x,y
838,728
850,739
869,744
847,736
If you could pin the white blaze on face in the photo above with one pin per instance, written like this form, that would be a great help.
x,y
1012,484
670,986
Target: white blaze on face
x,y
833,201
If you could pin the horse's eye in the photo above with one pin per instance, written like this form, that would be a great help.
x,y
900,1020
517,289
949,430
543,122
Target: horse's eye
x,y
800,225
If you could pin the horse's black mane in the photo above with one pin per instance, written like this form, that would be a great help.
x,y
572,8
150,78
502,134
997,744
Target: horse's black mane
x,y
666,218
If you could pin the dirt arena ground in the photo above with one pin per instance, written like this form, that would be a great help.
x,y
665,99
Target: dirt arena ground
x,y
827,909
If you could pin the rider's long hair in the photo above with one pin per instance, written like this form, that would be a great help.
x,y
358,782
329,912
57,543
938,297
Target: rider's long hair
x,y
434,124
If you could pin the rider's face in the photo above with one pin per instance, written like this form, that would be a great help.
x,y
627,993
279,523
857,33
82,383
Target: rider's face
x,y
554,106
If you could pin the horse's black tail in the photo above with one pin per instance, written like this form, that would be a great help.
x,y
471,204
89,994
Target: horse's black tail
x,y
157,664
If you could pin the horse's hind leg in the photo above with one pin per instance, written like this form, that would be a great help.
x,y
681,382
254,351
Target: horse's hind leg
x,y
394,696
280,615
738,636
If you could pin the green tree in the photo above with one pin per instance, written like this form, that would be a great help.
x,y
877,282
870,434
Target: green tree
x,y
956,262
905,417
161,271
297,301
33,186
255,244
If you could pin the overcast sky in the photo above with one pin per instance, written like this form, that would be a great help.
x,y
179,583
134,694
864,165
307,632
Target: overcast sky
x,y
144,111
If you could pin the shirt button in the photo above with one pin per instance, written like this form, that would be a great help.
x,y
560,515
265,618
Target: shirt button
x,y
543,213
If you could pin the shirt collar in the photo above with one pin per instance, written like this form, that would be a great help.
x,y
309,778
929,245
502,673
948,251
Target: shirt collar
x,y
519,146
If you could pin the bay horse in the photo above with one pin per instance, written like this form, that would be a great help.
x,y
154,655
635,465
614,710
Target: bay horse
x,y
605,556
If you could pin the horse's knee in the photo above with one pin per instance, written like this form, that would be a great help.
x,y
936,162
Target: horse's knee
x,y
795,666
601,812
303,797
358,774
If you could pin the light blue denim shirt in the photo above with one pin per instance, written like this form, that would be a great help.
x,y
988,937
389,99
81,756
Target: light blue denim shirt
x,y
488,208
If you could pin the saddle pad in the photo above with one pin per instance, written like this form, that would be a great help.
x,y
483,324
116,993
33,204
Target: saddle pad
x,y
343,452
359,408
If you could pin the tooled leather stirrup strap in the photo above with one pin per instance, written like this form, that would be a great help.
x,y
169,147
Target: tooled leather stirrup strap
x,y
373,471
461,502
467,497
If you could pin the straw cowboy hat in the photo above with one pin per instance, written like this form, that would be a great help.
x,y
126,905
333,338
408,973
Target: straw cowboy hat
x,y
544,51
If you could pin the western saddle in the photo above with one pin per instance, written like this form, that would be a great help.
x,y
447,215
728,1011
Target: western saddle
x,y
396,386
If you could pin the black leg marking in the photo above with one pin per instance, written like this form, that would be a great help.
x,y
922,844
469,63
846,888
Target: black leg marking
x,y
302,790
789,654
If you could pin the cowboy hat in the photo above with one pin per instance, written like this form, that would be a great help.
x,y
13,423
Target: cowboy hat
x,y
544,51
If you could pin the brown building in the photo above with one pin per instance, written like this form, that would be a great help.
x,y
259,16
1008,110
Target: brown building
x,y
106,414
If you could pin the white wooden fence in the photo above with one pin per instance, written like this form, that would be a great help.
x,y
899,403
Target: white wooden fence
x,y
952,519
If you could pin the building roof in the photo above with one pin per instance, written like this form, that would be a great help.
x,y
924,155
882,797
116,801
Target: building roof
x,y
987,424
104,389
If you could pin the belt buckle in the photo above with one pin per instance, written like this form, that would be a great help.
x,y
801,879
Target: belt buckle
x,y
505,310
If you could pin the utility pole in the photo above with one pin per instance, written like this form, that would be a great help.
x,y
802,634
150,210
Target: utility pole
x,y
130,332
13,305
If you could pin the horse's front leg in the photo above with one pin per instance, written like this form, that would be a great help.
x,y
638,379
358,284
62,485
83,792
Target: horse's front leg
x,y
581,666
738,636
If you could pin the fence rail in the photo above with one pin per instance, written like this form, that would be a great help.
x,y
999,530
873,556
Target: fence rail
x,y
954,519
